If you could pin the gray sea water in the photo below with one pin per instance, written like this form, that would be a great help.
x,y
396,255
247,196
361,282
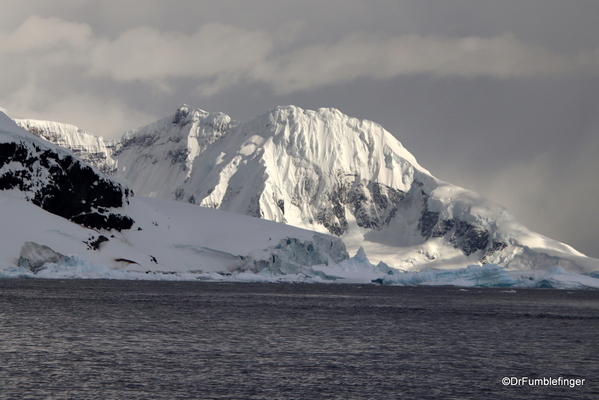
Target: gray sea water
x,y
98,339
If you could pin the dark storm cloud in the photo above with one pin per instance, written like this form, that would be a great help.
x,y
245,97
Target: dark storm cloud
x,y
501,97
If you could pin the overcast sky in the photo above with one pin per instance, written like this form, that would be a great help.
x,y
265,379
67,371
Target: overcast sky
x,y
497,96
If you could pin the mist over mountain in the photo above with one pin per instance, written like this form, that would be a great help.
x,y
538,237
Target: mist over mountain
x,y
323,171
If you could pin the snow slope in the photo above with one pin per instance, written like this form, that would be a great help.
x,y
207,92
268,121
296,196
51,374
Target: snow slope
x,y
168,237
324,171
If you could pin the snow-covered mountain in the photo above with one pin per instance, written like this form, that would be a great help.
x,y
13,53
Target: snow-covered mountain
x,y
59,213
323,171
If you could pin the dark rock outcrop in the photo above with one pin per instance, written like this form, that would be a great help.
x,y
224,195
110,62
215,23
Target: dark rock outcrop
x,y
63,185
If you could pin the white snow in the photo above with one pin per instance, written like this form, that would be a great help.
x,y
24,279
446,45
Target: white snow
x,y
93,149
179,237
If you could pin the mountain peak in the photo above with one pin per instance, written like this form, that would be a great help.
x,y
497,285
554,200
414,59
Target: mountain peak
x,y
181,113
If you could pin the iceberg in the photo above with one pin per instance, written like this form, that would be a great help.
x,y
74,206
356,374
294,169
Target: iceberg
x,y
33,256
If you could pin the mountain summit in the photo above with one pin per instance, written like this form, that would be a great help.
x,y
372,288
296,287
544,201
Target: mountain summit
x,y
320,170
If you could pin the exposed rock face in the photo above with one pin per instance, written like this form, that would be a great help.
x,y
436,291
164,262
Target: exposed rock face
x,y
463,235
61,184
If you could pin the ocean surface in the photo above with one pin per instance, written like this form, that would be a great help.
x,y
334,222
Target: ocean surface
x,y
100,339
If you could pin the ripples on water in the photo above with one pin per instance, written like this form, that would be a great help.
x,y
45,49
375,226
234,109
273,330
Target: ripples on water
x,y
86,339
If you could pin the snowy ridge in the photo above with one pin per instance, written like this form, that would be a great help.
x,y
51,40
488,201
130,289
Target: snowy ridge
x,y
92,149
324,171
